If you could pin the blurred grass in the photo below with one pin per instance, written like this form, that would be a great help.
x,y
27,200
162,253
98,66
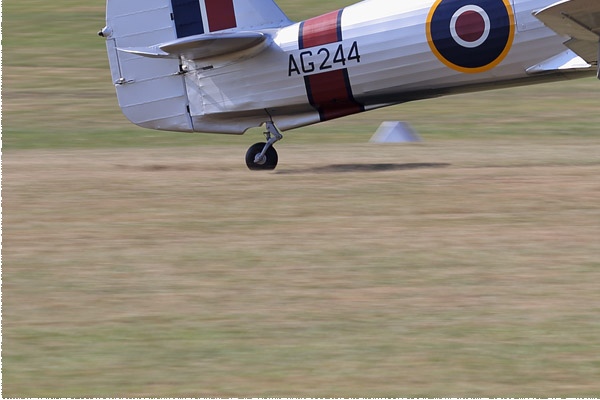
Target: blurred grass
x,y
469,268
58,94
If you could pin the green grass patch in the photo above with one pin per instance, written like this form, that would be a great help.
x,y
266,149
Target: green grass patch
x,y
57,93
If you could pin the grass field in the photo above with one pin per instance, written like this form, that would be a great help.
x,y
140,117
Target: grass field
x,y
140,263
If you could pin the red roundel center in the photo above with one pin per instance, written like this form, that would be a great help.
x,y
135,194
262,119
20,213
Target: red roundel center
x,y
470,26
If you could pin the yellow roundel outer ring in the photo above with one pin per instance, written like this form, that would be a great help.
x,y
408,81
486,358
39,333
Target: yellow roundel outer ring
x,y
498,60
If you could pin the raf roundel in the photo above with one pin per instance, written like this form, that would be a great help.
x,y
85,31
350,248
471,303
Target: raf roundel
x,y
471,36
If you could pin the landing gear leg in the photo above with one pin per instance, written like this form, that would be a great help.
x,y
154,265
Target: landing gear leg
x,y
263,156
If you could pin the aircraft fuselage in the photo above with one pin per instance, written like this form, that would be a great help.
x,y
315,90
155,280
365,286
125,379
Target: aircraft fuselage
x,y
372,54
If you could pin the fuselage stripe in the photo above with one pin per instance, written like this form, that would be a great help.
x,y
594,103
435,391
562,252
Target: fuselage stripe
x,y
330,93
187,16
221,14
321,30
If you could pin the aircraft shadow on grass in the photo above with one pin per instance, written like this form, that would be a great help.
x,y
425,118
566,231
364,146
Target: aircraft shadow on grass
x,y
326,169
381,167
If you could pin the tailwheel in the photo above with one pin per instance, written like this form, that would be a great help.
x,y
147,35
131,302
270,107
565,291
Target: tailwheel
x,y
262,156
258,162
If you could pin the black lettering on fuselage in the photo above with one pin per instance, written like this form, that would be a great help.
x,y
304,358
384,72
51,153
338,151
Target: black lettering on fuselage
x,y
321,59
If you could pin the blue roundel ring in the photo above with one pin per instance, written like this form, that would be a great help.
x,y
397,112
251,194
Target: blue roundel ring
x,y
471,35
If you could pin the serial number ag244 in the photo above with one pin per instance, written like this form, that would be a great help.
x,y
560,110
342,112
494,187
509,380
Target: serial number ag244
x,y
323,59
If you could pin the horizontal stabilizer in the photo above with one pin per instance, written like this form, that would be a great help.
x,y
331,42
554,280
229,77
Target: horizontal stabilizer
x,y
201,46
578,19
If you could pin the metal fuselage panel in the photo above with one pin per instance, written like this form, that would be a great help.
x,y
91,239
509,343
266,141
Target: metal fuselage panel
x,y
368,55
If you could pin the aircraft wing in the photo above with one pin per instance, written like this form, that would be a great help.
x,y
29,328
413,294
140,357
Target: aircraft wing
x,y
578,19
201,46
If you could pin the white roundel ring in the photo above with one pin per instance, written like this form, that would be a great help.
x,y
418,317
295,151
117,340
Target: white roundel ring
x,y
470,26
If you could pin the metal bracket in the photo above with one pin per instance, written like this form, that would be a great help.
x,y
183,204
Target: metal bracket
x,y
123,81
272,134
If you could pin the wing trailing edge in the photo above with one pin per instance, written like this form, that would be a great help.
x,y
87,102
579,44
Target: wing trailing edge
x,y
565,61
579,20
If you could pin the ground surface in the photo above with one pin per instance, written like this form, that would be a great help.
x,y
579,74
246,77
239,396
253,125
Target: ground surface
x,y
460,271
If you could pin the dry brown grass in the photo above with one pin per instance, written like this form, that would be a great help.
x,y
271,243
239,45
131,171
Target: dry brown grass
x,y
451,268
454,268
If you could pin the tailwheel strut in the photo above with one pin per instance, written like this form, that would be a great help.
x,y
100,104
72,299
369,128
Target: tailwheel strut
x,y
263,156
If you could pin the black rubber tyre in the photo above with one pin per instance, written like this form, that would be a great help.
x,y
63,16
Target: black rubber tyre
x,y
271,158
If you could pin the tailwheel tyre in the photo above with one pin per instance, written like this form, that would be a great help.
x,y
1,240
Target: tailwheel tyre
x,y
267,163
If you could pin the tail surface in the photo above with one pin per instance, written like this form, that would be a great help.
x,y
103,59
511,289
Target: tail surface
x,y
193,17
152,91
